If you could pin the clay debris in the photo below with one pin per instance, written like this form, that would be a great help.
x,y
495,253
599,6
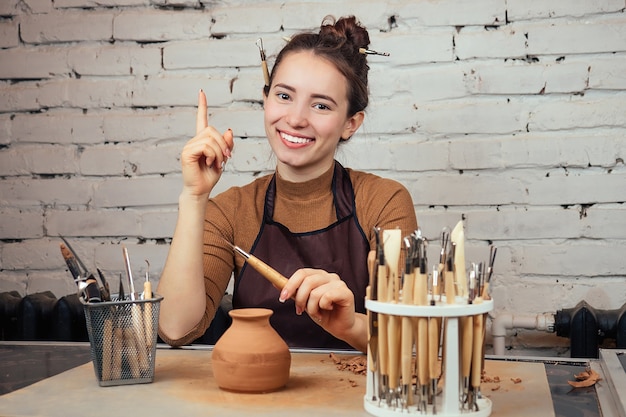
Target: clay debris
x,y
356,364
586,378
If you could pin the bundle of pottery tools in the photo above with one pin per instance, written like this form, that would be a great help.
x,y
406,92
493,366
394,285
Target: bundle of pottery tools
x,y
426,331
122,329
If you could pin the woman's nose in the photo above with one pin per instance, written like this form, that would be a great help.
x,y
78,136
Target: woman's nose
x,y
297,116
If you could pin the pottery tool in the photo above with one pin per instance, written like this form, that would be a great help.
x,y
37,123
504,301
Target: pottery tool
x,y
407,324
372,321
129,272
492,259
147,308
421,334
460,275
266,73
383,319
104,289
87,284
365,51
392,242
135,336
466,328
449,284
269,273
477,358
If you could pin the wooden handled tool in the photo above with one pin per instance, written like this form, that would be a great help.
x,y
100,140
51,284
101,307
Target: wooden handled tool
x,y
466,325
407,327
269,273
460,277
391,244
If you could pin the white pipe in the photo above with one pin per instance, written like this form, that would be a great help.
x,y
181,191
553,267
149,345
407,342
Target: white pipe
x,y
504,322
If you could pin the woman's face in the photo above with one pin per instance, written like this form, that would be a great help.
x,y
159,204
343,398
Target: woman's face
x,y
306,115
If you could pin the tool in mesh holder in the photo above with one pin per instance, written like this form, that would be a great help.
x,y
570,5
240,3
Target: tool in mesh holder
x,y
123,336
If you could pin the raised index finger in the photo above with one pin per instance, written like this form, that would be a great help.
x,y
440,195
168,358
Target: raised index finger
x,y
202,119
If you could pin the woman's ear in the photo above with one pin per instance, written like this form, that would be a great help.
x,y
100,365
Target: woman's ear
x,y
352,125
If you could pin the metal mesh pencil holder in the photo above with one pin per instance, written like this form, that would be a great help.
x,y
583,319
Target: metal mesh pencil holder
x,y
123,336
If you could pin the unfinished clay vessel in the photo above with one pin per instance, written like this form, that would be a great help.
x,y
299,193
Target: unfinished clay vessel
x,y
251,356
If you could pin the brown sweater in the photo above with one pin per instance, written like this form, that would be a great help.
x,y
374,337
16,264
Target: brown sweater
x,y
237,214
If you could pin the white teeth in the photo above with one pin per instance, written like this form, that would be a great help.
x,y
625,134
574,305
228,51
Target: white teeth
x,y
294,139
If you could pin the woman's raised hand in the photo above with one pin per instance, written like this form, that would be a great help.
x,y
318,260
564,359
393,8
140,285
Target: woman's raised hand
x,y
204,156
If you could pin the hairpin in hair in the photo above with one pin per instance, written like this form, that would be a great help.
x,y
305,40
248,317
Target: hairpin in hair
x,y
266,73
365,51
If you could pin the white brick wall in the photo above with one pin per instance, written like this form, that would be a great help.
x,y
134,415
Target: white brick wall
x,y
510,113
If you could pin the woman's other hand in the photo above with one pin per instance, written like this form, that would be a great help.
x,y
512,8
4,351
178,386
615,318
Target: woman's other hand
x,y
204,156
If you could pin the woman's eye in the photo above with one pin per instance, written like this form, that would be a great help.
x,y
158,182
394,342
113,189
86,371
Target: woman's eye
x,y
283,96
321,106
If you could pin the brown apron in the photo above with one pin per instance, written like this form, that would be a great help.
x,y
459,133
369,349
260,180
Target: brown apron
x,y
340,248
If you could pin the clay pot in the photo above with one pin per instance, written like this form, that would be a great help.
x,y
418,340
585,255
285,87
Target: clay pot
x,y
251,356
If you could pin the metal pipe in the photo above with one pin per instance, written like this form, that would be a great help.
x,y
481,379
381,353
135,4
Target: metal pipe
x,y
507,321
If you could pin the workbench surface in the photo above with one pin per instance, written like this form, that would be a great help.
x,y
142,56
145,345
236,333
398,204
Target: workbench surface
x,y
184,385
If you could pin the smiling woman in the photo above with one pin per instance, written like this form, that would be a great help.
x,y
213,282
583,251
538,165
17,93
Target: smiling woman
x,y
312,220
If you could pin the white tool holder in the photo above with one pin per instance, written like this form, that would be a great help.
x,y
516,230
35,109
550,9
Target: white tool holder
x,y
448,403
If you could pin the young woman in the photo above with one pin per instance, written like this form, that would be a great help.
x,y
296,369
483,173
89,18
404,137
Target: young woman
x,y
312,220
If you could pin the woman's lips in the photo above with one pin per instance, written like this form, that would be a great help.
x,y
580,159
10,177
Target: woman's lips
x,y
296,140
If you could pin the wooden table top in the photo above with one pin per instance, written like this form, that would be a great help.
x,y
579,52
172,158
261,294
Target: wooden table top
x,y
184,386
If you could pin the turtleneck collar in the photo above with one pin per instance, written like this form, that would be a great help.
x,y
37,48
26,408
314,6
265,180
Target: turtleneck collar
x,y
305,190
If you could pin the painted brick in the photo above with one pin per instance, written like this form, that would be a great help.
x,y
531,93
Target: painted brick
x,y
573,260
533,9
60,127
160,159
489,42
21,224
19,64
566,188
432,45
608,73
9,34
536,78
115,59
39,6
150,125
135,192
581,36
9,8
244,122
461,190
93,224
524,223
67,4
586,111
5,129
161,25
453,13
550,149
495,116
24,192
67,27
43,159
103,160
32,254
211,53
158,224
20,97
229,19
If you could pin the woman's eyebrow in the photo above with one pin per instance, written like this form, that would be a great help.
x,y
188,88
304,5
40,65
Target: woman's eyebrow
x,y
317,96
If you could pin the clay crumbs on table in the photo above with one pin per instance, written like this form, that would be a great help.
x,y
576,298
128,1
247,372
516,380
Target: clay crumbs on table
x,y
356,364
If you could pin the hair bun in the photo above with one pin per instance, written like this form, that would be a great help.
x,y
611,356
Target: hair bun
x,y
347,28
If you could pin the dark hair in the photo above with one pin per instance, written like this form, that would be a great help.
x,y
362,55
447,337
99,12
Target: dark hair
x,y
338,42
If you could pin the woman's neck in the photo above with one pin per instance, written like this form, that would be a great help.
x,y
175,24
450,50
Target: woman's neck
x,y
291,174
